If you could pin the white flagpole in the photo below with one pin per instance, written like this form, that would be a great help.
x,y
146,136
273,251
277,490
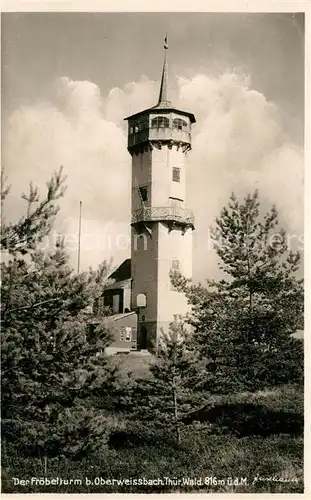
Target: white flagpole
x,y
79,237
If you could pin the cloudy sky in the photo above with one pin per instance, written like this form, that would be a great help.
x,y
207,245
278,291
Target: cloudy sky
x,y
69,79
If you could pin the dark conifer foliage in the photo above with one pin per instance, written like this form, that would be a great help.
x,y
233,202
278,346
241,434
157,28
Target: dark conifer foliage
x,y
25,235
243,323
174,386
51,366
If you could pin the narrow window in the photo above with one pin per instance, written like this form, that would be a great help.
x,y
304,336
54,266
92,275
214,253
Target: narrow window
x,y
176,174
128,334
122,335
143,190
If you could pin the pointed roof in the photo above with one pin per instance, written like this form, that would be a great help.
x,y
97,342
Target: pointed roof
x,y
163,105
163,101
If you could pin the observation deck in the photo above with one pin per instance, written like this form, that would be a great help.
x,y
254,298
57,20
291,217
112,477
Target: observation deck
x,y
171,126
174,215
159,134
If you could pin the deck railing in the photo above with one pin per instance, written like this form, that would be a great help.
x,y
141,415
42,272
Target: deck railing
x,y
159,134
174,214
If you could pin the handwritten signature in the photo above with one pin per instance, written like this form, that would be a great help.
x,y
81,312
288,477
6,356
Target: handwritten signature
x,y
275,479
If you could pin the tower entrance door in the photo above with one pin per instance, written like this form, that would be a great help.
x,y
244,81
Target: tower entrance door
x,y
143,337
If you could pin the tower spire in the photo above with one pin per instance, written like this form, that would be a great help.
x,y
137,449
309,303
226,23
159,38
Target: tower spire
x,y
163,100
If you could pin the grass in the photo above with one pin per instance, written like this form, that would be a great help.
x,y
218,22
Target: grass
x,y
134,363
200,456
207,451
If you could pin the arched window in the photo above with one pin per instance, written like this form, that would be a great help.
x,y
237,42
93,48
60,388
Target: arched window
x,y
180,124
160,122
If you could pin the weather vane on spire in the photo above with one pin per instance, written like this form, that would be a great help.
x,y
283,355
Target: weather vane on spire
x,y
164,80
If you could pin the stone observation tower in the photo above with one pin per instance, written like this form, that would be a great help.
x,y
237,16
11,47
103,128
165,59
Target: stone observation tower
x,y
159,139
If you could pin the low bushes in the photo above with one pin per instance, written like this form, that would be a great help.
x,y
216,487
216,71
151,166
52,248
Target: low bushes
x,y
234,445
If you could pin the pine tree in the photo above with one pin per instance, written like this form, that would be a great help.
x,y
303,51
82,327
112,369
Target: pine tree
x,y
244,323
25,235
173,388
55,375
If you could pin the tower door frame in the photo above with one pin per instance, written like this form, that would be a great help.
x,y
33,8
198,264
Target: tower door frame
x,y
143,337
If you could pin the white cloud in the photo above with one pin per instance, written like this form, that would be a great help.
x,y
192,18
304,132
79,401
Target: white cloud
x,y
134,97
238,144
71,131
